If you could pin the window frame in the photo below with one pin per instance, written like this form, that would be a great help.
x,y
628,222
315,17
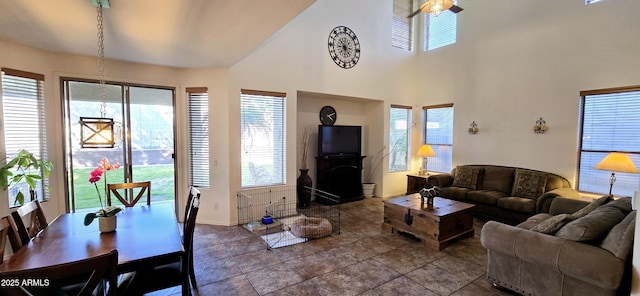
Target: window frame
x,y
441,25
407,135
402,28
599,177
439,147
33,89
198,136
276,175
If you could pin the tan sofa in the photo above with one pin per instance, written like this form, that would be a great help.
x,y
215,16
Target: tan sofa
x,y
570,253
506,194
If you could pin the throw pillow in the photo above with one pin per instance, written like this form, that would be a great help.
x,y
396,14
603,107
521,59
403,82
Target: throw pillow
x,y
590,207
592,226
466,177
553,224
529,184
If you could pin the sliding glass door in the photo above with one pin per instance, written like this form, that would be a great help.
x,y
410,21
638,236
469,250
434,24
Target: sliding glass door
x,y
144,148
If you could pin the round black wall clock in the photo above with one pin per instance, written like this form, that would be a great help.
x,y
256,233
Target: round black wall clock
x,y
328,115
344,47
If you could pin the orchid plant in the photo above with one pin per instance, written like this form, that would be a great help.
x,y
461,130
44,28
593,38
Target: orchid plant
x,y
103,167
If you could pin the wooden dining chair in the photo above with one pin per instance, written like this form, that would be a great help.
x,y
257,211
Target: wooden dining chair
x,y
5,229
193,192
82,278
129,200
37,222
173,274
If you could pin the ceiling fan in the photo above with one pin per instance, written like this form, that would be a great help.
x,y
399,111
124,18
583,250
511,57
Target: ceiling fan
x,y
436,7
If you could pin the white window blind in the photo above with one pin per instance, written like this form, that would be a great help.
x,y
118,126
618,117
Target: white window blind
x,y
399,138
438,133
262,125
24,123
401,26
198,106
440,30
609,124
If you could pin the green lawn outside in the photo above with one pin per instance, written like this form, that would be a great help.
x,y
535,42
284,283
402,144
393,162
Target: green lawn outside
x,y
161,177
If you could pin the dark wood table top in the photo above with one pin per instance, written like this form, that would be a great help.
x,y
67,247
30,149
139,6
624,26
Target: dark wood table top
x,y
145,235
441,206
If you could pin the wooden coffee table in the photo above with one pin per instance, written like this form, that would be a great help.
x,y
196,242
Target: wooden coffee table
x,y
436,225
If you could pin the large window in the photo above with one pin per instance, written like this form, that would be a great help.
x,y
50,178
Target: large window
x,y
399,145
262,128
440,30
438,132
198,105
24,123
401,25
609,123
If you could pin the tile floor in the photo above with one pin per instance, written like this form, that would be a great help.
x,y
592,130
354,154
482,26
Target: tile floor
x,y
361,260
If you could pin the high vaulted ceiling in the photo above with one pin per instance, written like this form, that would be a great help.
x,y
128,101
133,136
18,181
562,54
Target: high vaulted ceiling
x,y
178,33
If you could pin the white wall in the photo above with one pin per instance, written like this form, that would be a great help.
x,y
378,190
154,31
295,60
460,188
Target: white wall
x,y
296,59
516,61
54,66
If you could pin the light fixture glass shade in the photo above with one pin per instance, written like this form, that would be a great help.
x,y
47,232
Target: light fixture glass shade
x,y
96,132
617,162
426,150
436,7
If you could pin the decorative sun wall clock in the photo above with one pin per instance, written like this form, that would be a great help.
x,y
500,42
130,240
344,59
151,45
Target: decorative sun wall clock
x,y
344,47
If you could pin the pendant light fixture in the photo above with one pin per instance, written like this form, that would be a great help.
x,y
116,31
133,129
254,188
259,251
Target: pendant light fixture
x,y
97,132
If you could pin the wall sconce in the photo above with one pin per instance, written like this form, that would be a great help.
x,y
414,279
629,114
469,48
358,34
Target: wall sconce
x,y
473,128
540,127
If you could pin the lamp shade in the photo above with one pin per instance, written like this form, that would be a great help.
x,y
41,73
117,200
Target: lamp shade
x,y
435,7
617,162
426,150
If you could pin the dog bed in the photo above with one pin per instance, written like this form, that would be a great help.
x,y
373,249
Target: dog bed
x,y
311,227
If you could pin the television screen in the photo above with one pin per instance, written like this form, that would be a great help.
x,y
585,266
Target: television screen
x,y
339,140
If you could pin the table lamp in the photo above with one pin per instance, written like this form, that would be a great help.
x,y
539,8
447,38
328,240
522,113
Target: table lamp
x,y
425,151
616,162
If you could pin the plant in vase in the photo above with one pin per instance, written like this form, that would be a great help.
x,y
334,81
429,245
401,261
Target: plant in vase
x,y
24,167
304,182
108,222
368,186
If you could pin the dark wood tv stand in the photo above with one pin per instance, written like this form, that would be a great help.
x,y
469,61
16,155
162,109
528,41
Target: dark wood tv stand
x,y
340,175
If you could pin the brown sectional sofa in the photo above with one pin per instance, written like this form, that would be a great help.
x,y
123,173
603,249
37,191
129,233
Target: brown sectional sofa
x,y
506,194
576,249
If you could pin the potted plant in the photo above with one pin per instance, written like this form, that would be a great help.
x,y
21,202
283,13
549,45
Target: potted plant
x,y
106,215
24,167
368,186
304,182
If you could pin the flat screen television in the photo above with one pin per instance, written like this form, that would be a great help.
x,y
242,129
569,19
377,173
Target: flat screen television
x,y
337,140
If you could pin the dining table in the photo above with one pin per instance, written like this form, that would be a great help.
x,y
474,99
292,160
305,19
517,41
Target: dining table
x,y
145,236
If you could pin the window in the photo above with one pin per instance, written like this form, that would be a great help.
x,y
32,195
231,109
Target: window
x,y
440,30
24,123
401,25
438,132
399,145
587,2
262,128
198,106
609,123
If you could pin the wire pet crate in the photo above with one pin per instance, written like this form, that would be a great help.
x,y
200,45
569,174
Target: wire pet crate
x,y
271,213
